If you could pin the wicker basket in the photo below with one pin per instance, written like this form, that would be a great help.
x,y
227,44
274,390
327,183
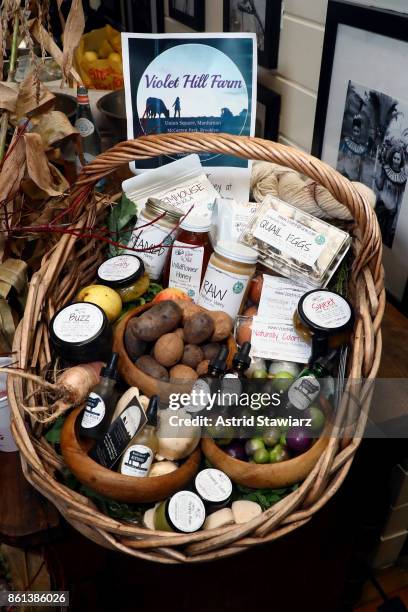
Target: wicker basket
x,y
72,262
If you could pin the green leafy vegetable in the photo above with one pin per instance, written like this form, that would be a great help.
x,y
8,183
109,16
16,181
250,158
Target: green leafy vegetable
x,y
53,435
121,221
264,497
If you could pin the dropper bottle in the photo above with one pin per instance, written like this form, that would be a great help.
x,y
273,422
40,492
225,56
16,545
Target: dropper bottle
x,y
138,456
240,362
100,403
203,386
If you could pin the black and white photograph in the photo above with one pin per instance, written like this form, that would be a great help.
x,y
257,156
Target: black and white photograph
x,y
373,150
261,17
189,12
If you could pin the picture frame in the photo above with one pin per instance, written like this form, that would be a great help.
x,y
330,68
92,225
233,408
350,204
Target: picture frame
x,y
144,16
189,12
361,123
267,113
265,21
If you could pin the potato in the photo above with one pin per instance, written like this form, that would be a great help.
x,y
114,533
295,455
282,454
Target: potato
x,y
158,320
182,372
135,347
180,332
223,325
202,367
149,366
188,308
198,328
168,349
192,356
211,350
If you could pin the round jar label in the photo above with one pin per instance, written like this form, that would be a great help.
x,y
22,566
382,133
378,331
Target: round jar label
x,y
186,511
326,309
137,460
118,268
94,411
78,322
213,485
84,126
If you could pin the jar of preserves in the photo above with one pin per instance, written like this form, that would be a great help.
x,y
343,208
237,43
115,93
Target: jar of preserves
x,y
188,257
126,275
325,319
153,234
183,512
227,277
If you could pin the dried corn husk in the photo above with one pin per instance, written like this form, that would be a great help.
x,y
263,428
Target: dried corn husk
x,y
53,127
8,98
37,164
13,273
7,326
74,28
33,97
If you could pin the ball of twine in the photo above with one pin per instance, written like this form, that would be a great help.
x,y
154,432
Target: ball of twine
x,y
306,194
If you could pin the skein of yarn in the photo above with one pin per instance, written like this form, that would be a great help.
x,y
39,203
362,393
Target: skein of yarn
x,y
288,185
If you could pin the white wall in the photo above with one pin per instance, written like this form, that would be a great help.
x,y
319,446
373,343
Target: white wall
x,y
300,51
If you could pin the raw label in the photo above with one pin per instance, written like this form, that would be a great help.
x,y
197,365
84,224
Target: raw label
x,y
94,411
222,290
272,340
186,267
290,237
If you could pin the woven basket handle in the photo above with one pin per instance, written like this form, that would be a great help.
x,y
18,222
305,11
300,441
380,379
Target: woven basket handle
x,y
246,147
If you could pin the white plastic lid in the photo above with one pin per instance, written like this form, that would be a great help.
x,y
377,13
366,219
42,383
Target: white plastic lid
x,y
195,223
236,252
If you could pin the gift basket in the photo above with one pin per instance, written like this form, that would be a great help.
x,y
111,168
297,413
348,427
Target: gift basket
x,y
309,479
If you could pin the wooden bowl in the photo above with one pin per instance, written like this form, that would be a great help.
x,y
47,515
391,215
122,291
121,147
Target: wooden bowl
x,y
118,486
134,375
268,475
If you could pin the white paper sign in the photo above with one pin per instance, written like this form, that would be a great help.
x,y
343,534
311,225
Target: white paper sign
x,y
278,341
279,298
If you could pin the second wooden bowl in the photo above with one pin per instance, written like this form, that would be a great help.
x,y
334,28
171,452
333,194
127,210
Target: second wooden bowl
x,y
116,486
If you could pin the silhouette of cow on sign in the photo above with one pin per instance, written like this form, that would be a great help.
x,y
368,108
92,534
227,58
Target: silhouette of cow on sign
x,y
154,107
137,459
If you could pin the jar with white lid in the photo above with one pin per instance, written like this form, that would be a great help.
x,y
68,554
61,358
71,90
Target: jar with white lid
x,y
227,277
154,228
7,444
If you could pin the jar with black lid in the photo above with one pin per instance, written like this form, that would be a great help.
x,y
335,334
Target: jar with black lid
x,y
124,273
214,487
81,333
183,512
325,319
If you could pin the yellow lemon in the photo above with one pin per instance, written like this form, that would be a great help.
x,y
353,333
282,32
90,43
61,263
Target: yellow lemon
x,y
90,56
102,296
115,57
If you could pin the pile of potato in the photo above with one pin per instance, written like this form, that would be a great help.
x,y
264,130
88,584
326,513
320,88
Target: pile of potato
x,y
175,340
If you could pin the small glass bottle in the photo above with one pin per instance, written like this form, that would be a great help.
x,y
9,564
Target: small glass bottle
x,y
204,386
138,456
188,257
154,228
100,404
240,362
85,124
227,277
307,386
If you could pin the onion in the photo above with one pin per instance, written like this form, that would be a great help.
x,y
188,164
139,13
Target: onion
x,y
285,366
236,451
297,440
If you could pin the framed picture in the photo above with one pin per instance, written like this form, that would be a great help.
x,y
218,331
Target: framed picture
x,y
361,125
260,16
189,12
267,113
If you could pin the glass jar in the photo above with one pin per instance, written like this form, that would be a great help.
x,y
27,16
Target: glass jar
x,y
215,489
325,319
227,277
183,512
185,266
81,333
126,275
153,234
